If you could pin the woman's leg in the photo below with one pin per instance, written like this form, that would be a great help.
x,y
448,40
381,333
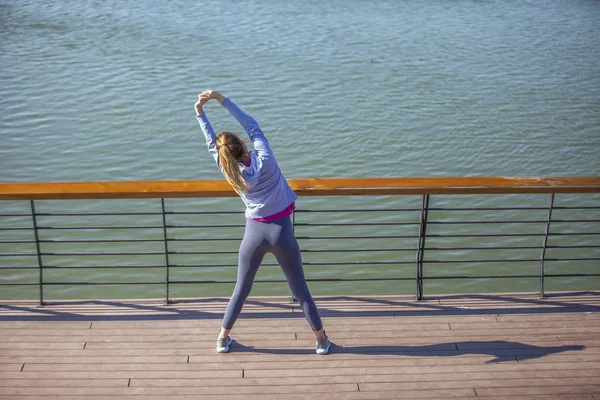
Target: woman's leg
x,y
287,252
252,251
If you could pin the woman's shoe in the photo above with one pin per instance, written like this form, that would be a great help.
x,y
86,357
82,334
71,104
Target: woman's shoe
x,y
223,344
323,345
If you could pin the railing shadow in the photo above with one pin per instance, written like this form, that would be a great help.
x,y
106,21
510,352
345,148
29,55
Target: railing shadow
x,y
139,311
436,306
144,309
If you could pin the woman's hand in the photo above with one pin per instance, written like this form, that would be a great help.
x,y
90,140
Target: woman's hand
x,y
206,96
213,95
202,99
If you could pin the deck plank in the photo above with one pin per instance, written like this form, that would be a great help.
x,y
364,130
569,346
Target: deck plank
x,y
376,360
325,396
556,389
11,367
502,384
181,390
263,378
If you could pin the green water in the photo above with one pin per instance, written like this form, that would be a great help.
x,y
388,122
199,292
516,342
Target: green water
x,y
104,91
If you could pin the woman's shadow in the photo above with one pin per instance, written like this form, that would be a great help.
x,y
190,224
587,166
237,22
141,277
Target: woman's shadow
x,y
500,349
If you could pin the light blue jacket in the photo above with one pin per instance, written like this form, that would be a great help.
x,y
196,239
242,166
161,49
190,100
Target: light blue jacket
x,y
268,192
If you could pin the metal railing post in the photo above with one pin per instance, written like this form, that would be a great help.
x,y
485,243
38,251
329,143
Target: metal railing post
x,y
293,299
421,246
39,253
544,244
166,242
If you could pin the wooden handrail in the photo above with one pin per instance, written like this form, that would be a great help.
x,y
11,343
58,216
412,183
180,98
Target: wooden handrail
x,y
303,187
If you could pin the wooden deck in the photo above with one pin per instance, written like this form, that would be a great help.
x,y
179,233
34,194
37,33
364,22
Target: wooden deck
x,y
457,346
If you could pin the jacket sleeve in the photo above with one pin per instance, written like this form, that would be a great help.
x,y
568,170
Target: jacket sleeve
x,y
260,142
211,138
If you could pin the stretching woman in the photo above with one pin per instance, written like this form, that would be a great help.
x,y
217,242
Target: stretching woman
x,y
269,201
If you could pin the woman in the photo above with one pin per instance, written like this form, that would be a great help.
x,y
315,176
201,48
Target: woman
x,y
269,201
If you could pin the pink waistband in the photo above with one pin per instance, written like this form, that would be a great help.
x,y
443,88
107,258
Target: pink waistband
x,y
288,211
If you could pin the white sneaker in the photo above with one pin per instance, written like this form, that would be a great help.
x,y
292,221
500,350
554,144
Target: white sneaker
x,y
323,345
223,344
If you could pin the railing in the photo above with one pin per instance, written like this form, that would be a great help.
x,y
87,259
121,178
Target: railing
x,y
395,224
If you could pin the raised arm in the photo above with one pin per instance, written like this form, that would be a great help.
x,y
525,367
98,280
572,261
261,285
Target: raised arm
x,y
209,133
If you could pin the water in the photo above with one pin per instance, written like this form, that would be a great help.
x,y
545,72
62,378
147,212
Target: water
x,y
104,91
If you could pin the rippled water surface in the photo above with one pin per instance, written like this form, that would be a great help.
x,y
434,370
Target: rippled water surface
x,y
104,91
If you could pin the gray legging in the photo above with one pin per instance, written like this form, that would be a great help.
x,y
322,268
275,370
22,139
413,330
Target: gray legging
x,y
275,237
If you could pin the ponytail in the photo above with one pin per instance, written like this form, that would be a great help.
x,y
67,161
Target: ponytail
x,y
231,151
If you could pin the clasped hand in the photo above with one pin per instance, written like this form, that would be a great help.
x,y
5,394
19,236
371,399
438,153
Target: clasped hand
x,y
206,96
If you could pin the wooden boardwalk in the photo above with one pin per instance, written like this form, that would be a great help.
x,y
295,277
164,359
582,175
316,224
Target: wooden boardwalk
x,y
512,346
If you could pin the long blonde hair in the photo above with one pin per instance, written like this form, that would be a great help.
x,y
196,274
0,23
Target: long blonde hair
x,y
231,152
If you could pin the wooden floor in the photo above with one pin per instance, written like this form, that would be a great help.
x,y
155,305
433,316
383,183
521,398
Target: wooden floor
x,y
456,346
